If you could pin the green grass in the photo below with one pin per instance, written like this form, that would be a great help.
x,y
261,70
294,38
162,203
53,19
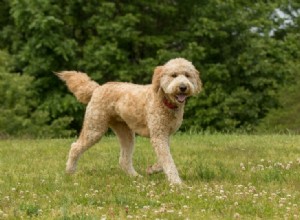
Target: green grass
x,y
225,176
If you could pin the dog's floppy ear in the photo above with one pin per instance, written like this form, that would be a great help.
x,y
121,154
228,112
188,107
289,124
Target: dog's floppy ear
x,y
198,82
156,78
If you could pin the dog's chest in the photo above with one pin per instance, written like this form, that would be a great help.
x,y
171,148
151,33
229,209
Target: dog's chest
x,y
164,121
175,124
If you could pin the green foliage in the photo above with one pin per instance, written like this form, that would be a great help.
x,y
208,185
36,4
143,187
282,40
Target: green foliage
x,y
286,118
19,110
242,68
244,51
31,210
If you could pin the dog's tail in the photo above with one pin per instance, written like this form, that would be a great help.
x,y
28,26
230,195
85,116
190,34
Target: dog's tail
x,y
79,84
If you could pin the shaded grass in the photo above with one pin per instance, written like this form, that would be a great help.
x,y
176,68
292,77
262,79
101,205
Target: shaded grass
x,y
225,176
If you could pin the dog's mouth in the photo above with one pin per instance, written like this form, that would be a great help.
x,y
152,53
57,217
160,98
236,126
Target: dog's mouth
x,y
181,97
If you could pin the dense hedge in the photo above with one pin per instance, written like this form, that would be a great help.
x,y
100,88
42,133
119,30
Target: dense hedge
x,y
20,114
244,50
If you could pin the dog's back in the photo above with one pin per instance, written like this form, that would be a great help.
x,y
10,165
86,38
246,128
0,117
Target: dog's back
x,y
125,102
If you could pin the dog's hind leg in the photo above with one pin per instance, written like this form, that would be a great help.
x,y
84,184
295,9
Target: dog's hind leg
x,y
94,126
155,168
126,139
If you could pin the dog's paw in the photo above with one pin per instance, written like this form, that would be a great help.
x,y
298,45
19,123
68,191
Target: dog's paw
x,y
134,174
138,176
149,170
175,180
70,170
154,169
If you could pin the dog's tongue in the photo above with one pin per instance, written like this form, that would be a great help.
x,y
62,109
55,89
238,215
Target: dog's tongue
x,y
181,97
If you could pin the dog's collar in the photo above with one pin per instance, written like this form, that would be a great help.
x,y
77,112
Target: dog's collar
x,y
169,104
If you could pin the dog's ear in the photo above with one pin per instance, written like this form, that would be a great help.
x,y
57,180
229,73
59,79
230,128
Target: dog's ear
x,y
198,82
156,78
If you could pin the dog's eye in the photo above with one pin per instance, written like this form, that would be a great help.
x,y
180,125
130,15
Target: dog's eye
x,y
187,75
174,75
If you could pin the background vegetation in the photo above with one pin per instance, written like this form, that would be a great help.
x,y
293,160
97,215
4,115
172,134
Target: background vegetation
x,y
246,51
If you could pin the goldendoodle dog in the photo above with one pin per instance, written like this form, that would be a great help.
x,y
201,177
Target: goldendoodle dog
x,y
153,111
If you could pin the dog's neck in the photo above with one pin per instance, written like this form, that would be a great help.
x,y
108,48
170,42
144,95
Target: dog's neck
x,y
169,104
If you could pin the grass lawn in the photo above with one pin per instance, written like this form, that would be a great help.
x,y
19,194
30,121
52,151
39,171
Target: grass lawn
x,y
225,176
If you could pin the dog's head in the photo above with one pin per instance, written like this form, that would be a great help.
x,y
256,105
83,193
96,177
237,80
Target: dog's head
x,y
178,79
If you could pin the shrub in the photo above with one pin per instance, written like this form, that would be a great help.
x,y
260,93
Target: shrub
x,y
19,111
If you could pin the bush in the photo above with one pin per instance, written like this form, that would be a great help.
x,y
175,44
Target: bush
x,y
243,58
19,111
286,118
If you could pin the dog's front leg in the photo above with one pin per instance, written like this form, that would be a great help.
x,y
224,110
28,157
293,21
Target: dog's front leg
x,y
162,150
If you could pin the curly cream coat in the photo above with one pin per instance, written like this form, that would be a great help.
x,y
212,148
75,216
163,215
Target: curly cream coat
x,y
153,111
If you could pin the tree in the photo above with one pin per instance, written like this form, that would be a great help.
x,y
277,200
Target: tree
x,y
106,39
241,64
286,117
19,112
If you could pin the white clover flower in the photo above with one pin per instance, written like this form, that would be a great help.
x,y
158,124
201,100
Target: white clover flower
x,y
282,200
236,216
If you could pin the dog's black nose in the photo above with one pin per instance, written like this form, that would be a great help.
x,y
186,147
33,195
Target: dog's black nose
x,y
182,87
